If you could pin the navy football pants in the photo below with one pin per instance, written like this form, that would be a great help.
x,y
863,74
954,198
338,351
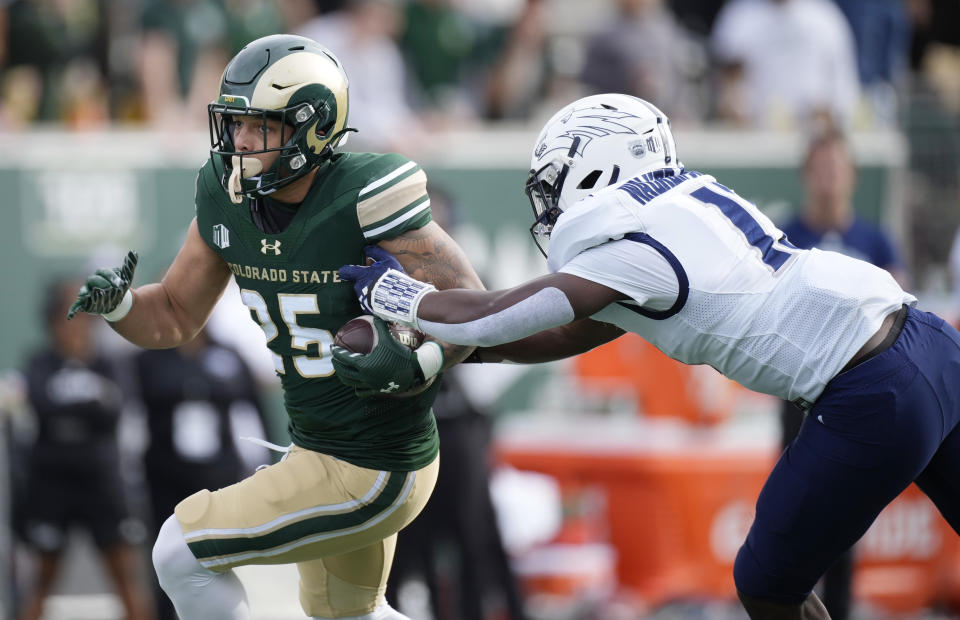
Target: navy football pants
x,y
876,428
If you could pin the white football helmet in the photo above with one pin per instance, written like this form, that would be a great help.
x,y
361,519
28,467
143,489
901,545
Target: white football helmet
x,y
592,143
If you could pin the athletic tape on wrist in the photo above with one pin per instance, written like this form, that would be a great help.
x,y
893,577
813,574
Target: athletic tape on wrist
x,y
430,358
122,308
396,296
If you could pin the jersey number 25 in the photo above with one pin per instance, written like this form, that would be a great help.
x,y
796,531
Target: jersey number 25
x,y
291,305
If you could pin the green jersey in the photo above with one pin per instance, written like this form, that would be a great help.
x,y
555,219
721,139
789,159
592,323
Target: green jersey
x,y
289,282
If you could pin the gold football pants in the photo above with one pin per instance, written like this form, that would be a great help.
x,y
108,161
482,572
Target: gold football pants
x,y
336,521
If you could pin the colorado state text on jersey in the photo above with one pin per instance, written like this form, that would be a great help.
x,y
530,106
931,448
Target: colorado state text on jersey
x,y
274,274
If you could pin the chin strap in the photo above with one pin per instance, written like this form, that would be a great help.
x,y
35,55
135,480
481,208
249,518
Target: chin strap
x,y
243,168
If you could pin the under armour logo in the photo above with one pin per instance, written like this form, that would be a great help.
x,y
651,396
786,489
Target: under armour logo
x,y
391,387
273,247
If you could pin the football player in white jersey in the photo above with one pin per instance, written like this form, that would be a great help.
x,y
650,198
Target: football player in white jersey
x,y
638,244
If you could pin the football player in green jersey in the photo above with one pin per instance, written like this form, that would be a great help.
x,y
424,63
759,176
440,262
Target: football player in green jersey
x,y
279,209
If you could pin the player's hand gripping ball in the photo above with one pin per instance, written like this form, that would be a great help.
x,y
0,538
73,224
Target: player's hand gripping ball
x,y
378,358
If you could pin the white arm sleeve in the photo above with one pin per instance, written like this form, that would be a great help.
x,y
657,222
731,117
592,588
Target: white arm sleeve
x,y
634,269
546,308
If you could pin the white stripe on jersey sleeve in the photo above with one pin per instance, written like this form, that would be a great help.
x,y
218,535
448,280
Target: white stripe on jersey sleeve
x,y
400,220
392,200
382,180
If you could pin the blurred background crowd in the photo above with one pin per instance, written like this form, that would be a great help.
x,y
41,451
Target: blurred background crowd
x,y
857,100
418,67
89,63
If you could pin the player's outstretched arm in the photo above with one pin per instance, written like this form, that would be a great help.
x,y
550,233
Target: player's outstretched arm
x,y
164,314
484,318
551,344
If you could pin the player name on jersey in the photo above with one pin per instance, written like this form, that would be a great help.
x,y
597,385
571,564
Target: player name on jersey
x,y
279,274
649,186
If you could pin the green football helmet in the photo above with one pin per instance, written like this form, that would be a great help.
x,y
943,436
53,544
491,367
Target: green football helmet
x,y
291,79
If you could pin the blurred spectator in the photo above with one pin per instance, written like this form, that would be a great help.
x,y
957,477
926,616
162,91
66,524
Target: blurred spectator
x,y
784,64
55,63
935,52
4,31
251,19
954,267
827,219
184,46
697,15
518,75
362,36
459,526
645,52
828,222
475,59
881,32
439,45
183,50
198,398
14,416
932,128
73,472
459,520
934,22
294,13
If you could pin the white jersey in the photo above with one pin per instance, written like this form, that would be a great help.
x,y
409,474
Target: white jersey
x,y
713,281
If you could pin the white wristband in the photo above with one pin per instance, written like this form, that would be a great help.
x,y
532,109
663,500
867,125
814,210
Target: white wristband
x,y
122,308
430,358
396,296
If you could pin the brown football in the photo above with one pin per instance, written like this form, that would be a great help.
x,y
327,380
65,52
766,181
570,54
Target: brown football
x,y
358,335
407,336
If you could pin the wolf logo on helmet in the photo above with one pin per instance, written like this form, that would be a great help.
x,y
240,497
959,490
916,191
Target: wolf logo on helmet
x,y
626,136
291,79
594,122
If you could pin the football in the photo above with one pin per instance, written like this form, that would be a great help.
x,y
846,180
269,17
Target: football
x,y
359,335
